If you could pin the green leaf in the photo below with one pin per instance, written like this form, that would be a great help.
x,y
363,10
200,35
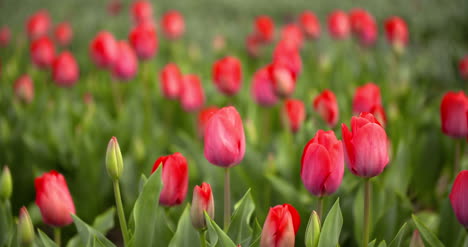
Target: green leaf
x,y
46,241
426,234
372,244
382,244
397,241
6,222
240,229
185,235
329,237
214,229
88,234
256,235
313,230
105,221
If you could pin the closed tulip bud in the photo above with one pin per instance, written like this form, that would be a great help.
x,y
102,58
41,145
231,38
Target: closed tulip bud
x,y
65,71
338,25
125,66
174,178
262,88
203,117
54,199
173,24
192,95
227,75
224,138
265,28
5,36
6,184
284,81
63,33
42,52
171,81
363,26
288,55
114,161
25,228
103,49
453,114
313,230
366,146
366,98
292,34
24,89
396,31
458,198
142,11
463,67
326,106
38,24
281,226
294,114
144,40
322,164
202,201
310,24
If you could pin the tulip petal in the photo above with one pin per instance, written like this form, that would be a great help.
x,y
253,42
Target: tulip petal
x,y
370,144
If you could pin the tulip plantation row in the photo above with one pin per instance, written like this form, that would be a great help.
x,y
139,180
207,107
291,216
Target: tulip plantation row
x,y
252,130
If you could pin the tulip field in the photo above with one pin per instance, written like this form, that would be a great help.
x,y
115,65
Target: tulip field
x,y
233,123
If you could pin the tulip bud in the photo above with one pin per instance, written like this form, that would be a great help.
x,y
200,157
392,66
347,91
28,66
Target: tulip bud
x,y
144,40
6,184
326,106
363,26
281,226
38,24
5,36
294,114
397,32
453,114
284,81
65,71
24,89
366,98
173,24
63,33
125,65
458,198
202,201
338,25
262,88
171,81
25,228
114,161
227,75
310,24
103,49
264,28
287,55
313,230
142,11
253,44
42,52
292,35
174,178
192,95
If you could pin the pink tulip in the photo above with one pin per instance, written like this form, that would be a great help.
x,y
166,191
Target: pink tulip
x,y
338,25
38,24
24,88
292,34
262,88
310,24
366,98
192,95
144,41
5,36
253,43
280,227
142,11
203,117
42,52
171,81
458,198
63,33
453,114
396,31
326,105
173,24
125,65
227,75
202,201
174,178
265,28
294,114
103,49
65,70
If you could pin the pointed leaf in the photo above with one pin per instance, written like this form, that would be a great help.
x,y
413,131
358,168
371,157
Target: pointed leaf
x,y
330,235
426,234
313,230
240,229
88,234
46,241
397,241
223,238
185,235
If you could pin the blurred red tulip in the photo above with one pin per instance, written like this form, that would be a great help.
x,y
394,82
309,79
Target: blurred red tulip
x,y
366,146
174,178
227,75
253,44
294,114
5,36
171,81
458,198
42,52
363,26
284,81
224,138
38,24
310,24
203,117
265,28
142,11
379,113
54,199
144,41
289,56
322,164
280,227
65,71
63,33
338,25
173,24
125,65
366,98
463,67
292,35
114,7
396,31
202,201
453,114
262,88
192,95
24,88
326,105
104,49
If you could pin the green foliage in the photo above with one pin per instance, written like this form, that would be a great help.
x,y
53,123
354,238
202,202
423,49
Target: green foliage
x,y
330,233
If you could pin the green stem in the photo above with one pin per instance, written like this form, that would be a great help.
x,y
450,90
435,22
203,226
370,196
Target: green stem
x,y
57,235
458,156
366,230
227,199
320,207
203,238
120,211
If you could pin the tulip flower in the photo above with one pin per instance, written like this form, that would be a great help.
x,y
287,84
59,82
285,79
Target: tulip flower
x,y
366,98
6,184
292,34
42,52
326,106
280,227
227,75
288,55
192,96
142,11
397,32
38,24
379,113
114,161
203,117
253,44
54,199
202,201
104,49
24,88
262,88
264,27
453,112
65,70
173,24
458,198
125,65
5,36
338,25
174,178
310,24
294,114
25,232
63,33
463,67
144,41
171,81
363,25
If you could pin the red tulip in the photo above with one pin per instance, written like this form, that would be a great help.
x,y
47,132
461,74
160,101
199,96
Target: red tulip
x,y
54,199
142,11
322,164
310,24
265,28
366,98
227,75
453,114
24,88
203,117
396,31
5,36
173,24
144,41
174,178
253,44
326,105
114,7
294,114
38,24
63,33
338,25
363,26
366,146
42,52
65,70
192,96
458,198
379,113
262,88
171,81
463,67
202,201
225,138
288,55
284,80
280,227
104,49
292,34
125,66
